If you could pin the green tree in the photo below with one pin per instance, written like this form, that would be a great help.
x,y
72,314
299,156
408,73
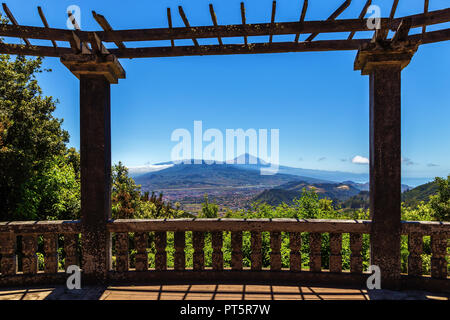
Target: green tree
x,y
36,169
440,203
209,210
125,193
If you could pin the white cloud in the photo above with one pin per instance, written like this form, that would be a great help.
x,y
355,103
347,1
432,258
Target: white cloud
x,y
360,160
148,168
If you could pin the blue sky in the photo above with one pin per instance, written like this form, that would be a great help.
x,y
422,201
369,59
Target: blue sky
x,y
316,100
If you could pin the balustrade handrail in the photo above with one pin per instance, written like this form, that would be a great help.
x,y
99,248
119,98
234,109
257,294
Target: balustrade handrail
x,y
41,227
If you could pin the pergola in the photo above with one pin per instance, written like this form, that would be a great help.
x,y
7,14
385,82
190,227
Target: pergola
x,y
380,57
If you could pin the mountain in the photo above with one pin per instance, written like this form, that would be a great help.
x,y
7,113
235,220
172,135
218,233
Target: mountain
x,y
420,193
366,186
293,189
210,176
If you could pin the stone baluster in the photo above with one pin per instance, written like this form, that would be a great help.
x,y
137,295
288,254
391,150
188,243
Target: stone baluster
x,y
236,250
415,247
438,253
29,250
51,253
217,254
335,252
275,254
198,242
179,256
8,262
355,248
295,244
122,255
256,255
161,254
141,258
70,249
315,259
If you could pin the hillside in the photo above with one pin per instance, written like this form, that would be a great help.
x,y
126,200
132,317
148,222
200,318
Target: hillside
x,y
420,193
293,189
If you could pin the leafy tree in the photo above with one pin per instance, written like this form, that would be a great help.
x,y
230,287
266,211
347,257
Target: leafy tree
x,y
125,193
440,203
35,175
209,210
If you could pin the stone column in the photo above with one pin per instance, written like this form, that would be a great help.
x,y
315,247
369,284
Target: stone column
x,y
383,62
96,73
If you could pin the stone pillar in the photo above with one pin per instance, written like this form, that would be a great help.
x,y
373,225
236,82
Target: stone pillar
x,y
96,73
383,62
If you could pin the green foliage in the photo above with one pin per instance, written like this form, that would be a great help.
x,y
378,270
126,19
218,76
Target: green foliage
x,y
440,203
36,173
209,210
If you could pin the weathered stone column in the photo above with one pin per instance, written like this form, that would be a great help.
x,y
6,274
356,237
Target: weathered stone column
x,y
383,62
96,73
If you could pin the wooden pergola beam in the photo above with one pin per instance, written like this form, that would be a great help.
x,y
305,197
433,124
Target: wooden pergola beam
x,y
361,16
44,21
101,20
186,23
214,20
333,16
302,18
261,29
272,20
244,21
278,47
14,21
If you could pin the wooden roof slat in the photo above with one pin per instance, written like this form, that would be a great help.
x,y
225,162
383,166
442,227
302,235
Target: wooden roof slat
x,y
14,21
44,21
425,11
333,16
101,20
302,18
169,21
361,16
261,29
244,22
393,9
73,20
402,31
272,20
214,20
186,23
277,47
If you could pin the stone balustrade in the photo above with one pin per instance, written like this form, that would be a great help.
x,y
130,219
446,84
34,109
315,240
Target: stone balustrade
x,y
21,241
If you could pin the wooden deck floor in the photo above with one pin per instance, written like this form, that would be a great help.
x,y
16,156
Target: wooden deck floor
x,y
212,292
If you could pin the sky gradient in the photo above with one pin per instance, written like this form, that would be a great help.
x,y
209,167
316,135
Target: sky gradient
x,y
316,100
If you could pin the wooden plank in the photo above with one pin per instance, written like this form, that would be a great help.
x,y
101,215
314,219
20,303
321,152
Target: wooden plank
x,y
425,12
272,20
44,21
14,21
302,18
256,254
244,22
295,245
101,20
186,23
361,16
333,16
402,32
214,20
169,21
393,9
259,29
